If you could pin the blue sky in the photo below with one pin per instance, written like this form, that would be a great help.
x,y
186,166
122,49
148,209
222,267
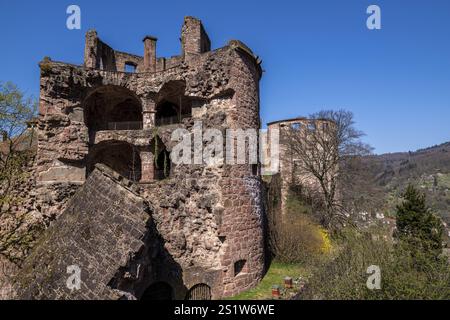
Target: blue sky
x,y
317,54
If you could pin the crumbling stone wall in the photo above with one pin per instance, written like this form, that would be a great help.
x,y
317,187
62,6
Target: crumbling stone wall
x,y
8,271
290,174
103,225
30,211
204,219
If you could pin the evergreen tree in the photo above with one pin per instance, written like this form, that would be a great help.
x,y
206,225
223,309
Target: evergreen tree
x,y
417,226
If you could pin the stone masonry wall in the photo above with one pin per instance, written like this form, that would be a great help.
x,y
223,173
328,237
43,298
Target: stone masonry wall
x,y
206,220
102,227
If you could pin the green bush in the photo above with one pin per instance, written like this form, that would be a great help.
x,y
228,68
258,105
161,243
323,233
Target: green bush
x,y
295,236
417,225
404,275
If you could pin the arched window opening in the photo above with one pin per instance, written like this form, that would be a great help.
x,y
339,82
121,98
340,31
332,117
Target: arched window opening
x,y
112,108
162,164
125,116
200,291
158,291
121,157
173,105
167,113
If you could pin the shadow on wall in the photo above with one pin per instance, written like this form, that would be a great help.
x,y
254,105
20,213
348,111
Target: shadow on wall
x,y
112,108
120,156
152,274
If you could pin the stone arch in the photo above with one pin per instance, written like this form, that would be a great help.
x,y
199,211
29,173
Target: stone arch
x,y
120,156
200,291
167,113
172,103
112,107
158,291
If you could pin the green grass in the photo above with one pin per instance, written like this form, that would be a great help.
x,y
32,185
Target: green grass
x,y
274,276
444,180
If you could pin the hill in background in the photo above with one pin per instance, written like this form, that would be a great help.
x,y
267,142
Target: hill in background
x,y
428,169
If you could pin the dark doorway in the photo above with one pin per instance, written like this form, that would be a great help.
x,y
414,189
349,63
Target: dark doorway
x,y
120,156
167,113
173,106
200,291
162,162
162,165
112,108
158,291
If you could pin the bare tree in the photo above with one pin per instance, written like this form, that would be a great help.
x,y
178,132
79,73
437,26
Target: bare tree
x,y
358,188
16,111
317,151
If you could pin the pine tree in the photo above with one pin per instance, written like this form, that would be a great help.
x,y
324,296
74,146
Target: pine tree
x,y
417,225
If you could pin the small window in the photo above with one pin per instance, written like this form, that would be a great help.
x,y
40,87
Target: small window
x,y
239,267
325,126
130,67
296,126
311,126
255,169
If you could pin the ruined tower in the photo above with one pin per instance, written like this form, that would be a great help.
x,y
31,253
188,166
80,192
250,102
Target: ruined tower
x,y
139,226
291,172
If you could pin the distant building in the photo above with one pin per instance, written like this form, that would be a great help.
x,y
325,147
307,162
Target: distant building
x,y
290,170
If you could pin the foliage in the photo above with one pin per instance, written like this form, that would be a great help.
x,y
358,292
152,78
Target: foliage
x,y
46,66
358,188
417,225
404,275
274,276
428,169
318,151
16,111
166,165
16,154
296,237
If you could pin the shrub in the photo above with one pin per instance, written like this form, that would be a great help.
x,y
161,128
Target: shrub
x,y
296,237
403,275
417,225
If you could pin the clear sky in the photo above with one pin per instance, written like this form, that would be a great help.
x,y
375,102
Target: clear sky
x,y
317,54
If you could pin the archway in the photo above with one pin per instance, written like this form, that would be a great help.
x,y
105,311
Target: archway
x,y
112,108
162,164
167,113
121,157
158,291
200,291
173,105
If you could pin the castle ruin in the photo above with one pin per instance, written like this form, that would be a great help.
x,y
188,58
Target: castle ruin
x,y
290,169
138,226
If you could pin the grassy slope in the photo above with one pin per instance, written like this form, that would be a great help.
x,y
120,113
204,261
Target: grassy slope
x,y
275,276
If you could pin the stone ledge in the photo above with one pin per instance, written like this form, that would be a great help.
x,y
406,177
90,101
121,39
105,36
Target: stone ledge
x,y
118,178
